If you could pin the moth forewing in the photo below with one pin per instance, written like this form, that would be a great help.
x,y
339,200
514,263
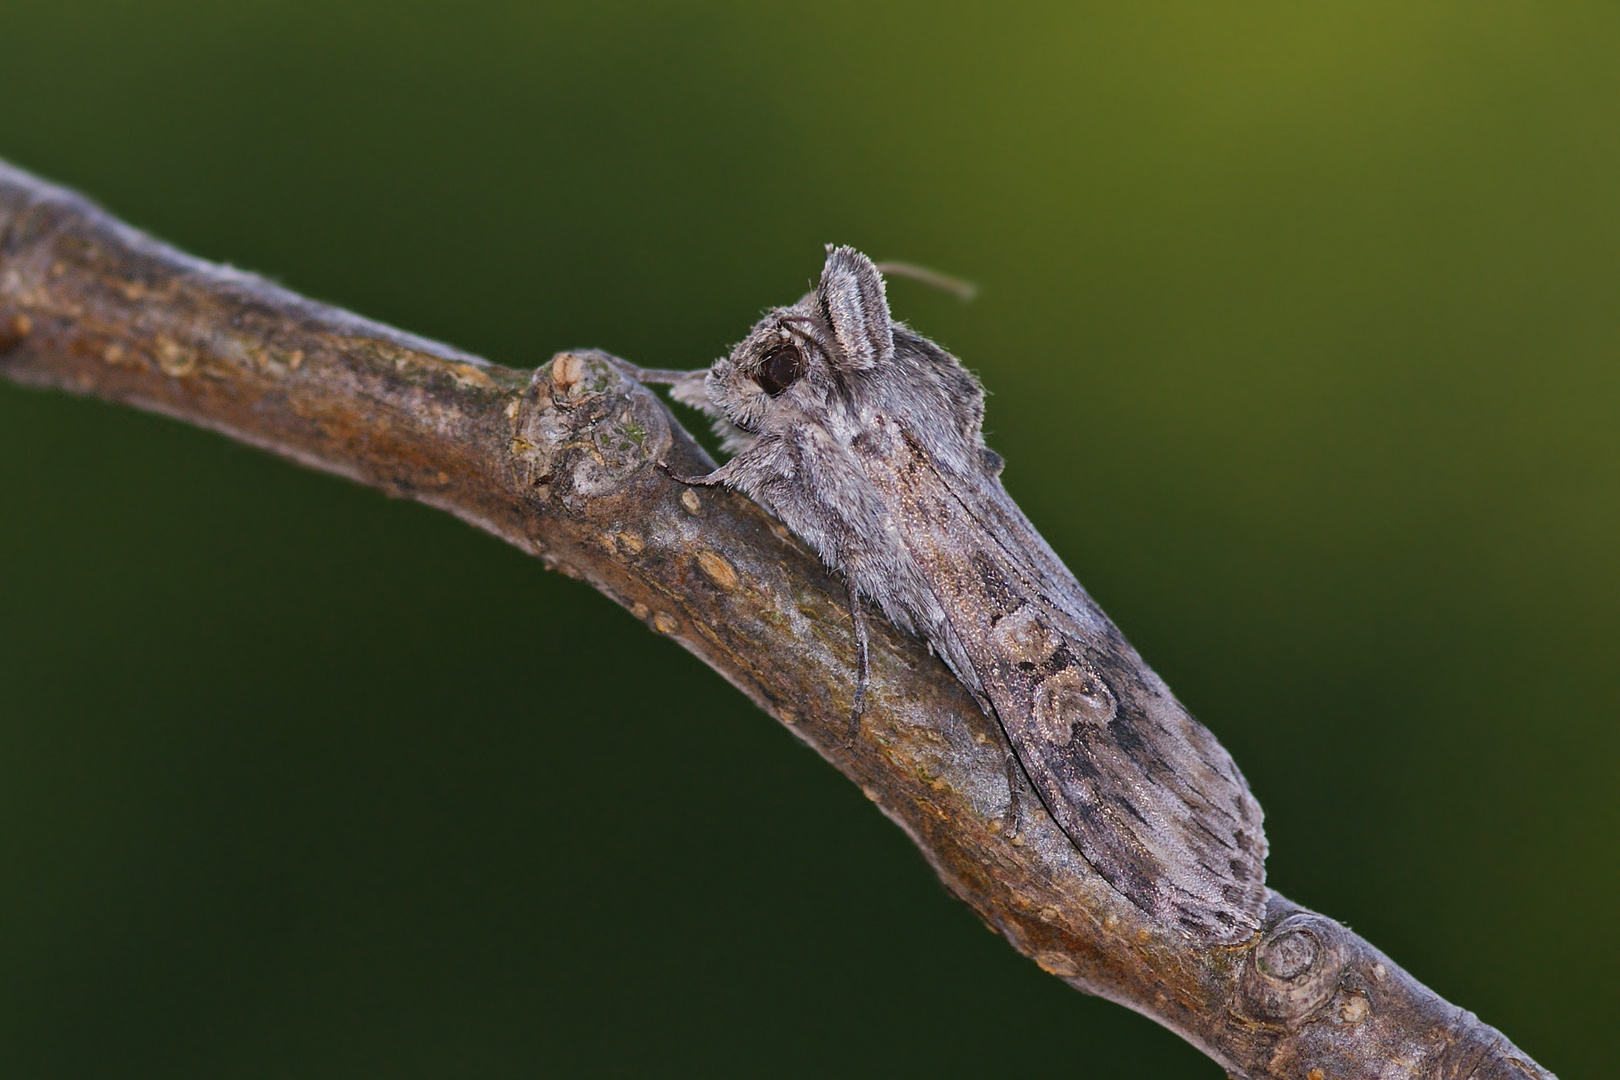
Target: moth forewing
x,y
1145,791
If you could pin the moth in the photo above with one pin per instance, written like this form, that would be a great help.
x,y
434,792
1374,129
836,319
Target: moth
x,y
866,440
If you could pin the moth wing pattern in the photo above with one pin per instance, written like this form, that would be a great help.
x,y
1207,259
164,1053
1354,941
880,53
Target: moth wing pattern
x,y
1145,791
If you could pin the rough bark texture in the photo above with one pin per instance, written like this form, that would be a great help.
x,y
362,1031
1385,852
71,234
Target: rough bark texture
x,y
562,462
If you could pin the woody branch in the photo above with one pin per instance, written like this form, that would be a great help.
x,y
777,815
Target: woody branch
x,y
563,463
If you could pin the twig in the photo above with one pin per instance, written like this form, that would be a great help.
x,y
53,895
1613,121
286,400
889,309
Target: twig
x,y
562,462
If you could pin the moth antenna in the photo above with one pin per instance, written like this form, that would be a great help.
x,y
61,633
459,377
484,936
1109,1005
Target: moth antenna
x,y
962,290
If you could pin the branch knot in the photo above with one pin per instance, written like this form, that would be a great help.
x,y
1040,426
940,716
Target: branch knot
x,y
1293,971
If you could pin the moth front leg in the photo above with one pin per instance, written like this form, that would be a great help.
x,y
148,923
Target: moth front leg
x,y
685,387
721,476
659,376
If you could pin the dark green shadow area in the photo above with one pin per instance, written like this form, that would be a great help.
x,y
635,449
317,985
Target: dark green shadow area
x,y
1301,330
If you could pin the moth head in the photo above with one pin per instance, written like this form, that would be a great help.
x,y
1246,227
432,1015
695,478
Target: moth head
x,y
799,359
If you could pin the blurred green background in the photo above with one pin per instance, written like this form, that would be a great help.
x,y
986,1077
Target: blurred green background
x,y
1302,326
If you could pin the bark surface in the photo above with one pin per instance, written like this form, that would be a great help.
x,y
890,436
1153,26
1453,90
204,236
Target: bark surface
x,y
563,462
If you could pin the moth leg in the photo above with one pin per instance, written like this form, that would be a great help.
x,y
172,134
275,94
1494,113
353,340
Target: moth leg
x,y
1009,826
863,660
1014,769
720,476
659,376
685,387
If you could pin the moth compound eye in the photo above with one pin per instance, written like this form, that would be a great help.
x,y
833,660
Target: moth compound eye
x,y
780,369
